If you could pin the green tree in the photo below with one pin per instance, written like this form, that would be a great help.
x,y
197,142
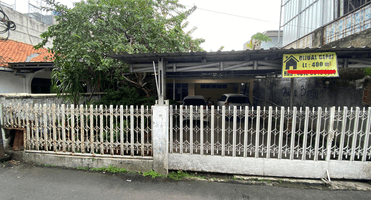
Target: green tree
x,y
86,33
257,39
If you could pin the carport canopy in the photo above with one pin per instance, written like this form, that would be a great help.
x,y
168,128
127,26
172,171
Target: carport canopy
x,y
230,64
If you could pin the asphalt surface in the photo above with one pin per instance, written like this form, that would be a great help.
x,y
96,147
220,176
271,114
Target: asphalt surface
x,y
24,181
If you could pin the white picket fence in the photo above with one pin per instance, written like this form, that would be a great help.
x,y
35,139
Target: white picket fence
x,y
92,131
277,136
272,133
298,142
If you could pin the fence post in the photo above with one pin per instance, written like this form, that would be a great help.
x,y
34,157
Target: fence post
x,y
160,121
330,135
2,133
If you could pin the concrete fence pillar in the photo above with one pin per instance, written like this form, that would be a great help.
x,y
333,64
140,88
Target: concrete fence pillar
x,y
160,138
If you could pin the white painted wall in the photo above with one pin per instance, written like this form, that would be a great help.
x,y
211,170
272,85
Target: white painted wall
x,y
10,83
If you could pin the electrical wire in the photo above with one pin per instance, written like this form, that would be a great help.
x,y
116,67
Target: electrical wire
x,y
240,16
233,15
5,22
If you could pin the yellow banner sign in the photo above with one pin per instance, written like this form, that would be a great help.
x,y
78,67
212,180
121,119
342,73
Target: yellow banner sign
x,y
310,65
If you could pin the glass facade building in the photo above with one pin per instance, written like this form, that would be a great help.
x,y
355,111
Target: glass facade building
x,y
301,17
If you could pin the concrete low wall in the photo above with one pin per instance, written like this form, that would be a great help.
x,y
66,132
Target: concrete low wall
x,y
82,161
23,98
271,167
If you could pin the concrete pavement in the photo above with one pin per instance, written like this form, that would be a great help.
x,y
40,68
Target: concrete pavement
x,y
25,181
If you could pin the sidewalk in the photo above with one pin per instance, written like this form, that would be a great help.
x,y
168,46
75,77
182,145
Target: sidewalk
x,y
25,181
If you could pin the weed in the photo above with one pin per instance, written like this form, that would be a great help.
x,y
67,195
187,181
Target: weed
x,y
116,170
83,168
47,165
111,169
54,165
93,159
98,169
234,178
179,175
152,173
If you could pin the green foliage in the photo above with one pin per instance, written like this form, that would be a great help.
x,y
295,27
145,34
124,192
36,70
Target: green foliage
x,y
179,175
257,39
83,168
111,169
101,169
152,174
85,34
125,96
260,37
368,71
115,170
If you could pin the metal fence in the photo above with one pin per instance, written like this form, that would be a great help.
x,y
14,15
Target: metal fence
x,y
350,24
273,133
83,130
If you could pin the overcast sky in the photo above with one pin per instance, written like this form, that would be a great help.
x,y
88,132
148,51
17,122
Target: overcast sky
x,y
241,19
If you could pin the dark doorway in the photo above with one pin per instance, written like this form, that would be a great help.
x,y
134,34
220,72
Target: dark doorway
x,y
40,85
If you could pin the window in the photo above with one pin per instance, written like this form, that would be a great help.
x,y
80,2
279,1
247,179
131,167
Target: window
x,y
223,98
181,91
40,85
238,100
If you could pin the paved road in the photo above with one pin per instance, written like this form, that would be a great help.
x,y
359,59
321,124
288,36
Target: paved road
x,y
35,182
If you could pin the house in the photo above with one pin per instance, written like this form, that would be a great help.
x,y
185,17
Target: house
x,y
24,69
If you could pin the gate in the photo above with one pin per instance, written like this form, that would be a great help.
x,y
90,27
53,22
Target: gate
x,y
299,142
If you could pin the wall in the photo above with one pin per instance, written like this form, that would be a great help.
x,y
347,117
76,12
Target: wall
x,y
28,30
312,92
10,83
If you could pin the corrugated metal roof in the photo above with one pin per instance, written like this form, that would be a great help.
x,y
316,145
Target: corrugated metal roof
x,y
261,54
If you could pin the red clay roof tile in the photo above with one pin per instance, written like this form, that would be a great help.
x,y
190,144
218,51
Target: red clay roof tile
x,y
13,51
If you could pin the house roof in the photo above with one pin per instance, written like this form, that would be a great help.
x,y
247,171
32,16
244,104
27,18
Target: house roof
x,y
15,52
236,63
220,56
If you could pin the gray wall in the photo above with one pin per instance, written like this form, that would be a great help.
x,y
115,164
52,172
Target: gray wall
x,y
312,92
28,30
39,98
